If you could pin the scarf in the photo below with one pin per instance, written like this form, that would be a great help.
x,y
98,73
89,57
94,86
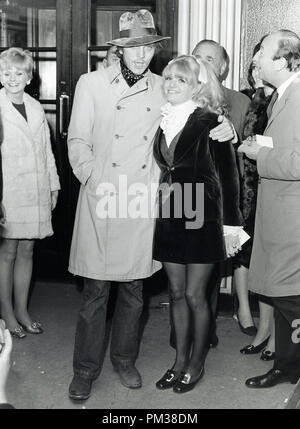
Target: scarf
x,y
175,117
129,76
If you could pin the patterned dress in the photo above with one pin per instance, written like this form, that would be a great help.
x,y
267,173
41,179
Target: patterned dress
x,y
255,123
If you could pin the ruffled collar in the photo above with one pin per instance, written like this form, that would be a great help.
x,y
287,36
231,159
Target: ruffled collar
x,y
175,118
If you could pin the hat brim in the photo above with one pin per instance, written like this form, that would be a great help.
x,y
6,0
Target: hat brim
x,y
131,42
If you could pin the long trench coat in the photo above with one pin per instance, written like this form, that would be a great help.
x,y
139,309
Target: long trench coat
x,y
110,142
29,171
275,260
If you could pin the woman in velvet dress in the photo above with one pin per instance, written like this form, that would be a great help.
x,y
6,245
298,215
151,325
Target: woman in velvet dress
x,y
188,245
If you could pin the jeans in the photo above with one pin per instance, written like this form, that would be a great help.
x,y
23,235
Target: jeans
x,y
91,326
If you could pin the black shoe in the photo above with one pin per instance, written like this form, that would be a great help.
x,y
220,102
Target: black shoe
x,y
252,350
168,380
183,384
267,355
249,330
129,375
80,388
272,378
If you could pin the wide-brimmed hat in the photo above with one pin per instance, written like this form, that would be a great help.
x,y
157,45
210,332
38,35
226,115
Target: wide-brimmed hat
x,y
136,29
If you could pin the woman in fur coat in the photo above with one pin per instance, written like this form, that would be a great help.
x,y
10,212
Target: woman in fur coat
x,y
30,188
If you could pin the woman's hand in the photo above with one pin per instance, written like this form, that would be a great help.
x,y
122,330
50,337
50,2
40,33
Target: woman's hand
x,y
250,148
5,353
232,244
54,196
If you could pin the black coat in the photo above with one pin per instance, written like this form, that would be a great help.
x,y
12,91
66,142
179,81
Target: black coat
x,y
198,159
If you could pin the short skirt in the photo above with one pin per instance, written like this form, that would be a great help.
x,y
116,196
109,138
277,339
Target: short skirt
x,y
188,246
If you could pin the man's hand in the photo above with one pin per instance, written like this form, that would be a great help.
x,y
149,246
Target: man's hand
x,y
54,196
223,132
250,148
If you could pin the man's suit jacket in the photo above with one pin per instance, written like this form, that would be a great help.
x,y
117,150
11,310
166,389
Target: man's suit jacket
x,y
275,262
238,105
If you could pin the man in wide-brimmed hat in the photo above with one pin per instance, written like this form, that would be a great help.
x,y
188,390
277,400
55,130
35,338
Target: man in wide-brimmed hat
x,y
116,113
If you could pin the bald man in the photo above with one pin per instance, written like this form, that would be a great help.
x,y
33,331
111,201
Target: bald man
x,y
217,56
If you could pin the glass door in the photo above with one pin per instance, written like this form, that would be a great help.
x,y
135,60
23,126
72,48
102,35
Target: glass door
x,y
44,28
68,38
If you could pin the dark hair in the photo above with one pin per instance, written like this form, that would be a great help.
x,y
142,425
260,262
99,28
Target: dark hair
x,y
289,48
250,69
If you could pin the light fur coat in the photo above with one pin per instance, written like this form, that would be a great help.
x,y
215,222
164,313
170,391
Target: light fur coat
x,y
29,170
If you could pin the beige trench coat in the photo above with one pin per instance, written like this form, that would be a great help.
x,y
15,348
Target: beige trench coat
x,y
110,135
29,171
275,261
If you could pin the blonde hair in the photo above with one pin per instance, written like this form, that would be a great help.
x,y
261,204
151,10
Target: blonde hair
x,y
208,93
19,58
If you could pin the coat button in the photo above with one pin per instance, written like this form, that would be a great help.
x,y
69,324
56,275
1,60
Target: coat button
x,y
144,166
117,81
114,164
145,138
119,107
117,136
148,109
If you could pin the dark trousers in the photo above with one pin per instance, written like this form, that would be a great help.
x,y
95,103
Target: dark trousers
x,y
287,339
91,326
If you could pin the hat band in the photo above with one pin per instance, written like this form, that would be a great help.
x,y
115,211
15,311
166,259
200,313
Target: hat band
x,y
138,32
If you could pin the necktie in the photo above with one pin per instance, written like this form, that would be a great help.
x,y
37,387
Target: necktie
x,y
271,104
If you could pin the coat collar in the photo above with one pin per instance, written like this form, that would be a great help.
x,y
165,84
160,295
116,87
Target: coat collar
x,y
34,113
120,86
279,106
196,124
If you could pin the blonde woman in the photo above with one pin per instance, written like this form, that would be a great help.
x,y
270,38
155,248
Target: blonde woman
x,y
30,188
190,246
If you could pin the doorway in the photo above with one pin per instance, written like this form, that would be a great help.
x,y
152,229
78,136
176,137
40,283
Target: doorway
x,y
68,38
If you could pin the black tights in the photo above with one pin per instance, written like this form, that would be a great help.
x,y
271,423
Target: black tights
x,y
190,313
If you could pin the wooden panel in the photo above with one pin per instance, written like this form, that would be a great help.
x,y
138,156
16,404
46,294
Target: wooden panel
x,y
166,17
80,36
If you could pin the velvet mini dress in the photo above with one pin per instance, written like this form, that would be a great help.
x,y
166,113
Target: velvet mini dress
x,y
193,158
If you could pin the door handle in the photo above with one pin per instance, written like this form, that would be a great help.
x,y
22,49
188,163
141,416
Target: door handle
x,y
64,105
